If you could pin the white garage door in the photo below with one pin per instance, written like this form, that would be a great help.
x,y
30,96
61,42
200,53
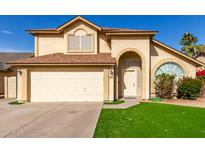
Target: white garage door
x,y
66,86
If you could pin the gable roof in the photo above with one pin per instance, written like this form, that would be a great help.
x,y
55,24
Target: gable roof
x,y
103,29
198,63
61,58
61,27
75,19
5,57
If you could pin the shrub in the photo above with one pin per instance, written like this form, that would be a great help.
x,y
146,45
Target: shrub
x,y
188,88
156,99
164,85
16,102
201,78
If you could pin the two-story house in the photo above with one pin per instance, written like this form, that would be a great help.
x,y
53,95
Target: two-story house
x,y
80,61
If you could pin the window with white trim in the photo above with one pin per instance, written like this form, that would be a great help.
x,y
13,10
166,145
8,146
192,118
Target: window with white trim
x,y
170,68
80,41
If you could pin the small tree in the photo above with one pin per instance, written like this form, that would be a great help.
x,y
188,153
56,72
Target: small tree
x,y
164,85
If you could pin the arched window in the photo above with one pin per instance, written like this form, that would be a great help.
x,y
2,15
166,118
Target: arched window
x,y
80,32
80,41
170,68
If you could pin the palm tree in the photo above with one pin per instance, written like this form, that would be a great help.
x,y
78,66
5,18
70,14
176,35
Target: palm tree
x,y
188,42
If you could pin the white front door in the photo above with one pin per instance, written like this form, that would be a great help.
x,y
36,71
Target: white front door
x,y
129,83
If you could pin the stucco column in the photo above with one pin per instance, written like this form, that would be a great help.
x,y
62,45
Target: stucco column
x,y
36,45
116,81
22,84
25,84
146,79
111,83
106,83
5,87
146,73
19,84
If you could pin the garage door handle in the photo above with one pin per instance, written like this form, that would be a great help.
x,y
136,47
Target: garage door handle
x,y
84,89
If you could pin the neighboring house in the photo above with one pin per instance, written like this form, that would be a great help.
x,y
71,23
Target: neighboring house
x,y
80,61
8,75
201,58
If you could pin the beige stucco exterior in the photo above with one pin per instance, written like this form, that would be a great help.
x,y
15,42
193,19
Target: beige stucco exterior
x,y
55,43
141,46
161,55
148,54
104,45
9,84
24,78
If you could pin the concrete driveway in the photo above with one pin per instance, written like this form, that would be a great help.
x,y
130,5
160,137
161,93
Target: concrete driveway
x,y
49,120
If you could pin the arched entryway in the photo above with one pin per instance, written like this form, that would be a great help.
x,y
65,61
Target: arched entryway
x,y
129,75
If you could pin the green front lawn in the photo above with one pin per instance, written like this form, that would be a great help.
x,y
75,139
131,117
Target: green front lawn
x,y
150,120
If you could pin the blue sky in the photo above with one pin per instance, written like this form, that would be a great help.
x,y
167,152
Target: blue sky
x,y
13,37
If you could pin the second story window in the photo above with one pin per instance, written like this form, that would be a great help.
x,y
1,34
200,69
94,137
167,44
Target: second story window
x,y
80,41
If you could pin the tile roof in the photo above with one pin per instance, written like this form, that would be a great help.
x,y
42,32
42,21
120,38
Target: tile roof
x,y
108,29
61,58
5,57
104,29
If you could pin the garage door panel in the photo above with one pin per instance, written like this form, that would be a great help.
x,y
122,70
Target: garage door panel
x,y
66,86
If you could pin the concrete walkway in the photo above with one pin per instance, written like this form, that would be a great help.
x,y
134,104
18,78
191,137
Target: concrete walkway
x,y
128,103
3,100
4,104
45,120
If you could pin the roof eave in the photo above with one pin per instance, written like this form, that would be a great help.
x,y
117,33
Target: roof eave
x,y
6,71
178,52
33,32
130,33
3,70
57,64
